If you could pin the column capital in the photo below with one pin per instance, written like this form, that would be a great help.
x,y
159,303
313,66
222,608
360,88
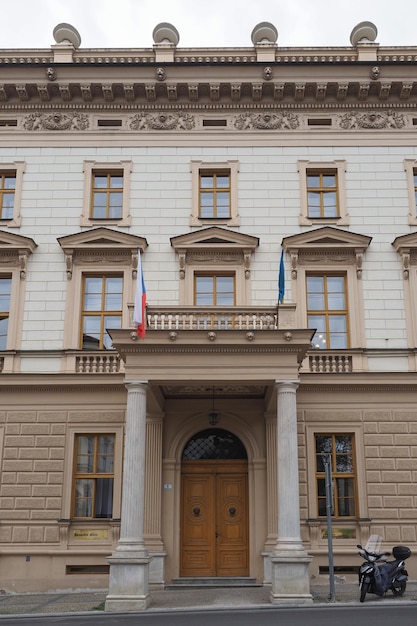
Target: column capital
x,y
139,385
289,385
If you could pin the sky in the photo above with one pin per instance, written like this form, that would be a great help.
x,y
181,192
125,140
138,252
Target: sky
x,y
202,23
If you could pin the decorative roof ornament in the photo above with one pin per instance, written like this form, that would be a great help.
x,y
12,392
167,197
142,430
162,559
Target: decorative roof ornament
x,y
264,33
67,34
364,32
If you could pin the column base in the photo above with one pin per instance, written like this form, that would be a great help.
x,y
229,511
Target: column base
x,y
290,581
128,584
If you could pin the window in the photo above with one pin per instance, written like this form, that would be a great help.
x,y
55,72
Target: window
x,y
214,198
7,194
107,196
410,166
11,180
327,311
326,272
214,290
322,188
106,193
214,195
5,294
406,247
101,266
322,196
214,267
101,310
93,476
340,448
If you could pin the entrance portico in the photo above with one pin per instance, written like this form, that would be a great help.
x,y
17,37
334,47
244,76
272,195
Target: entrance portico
x,y
187,362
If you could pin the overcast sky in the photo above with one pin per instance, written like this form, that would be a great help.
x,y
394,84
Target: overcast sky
x,y
208,23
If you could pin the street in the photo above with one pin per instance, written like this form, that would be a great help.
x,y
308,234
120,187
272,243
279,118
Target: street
x,y
343,615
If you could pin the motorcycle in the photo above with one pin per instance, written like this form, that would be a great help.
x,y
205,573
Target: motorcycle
x,y
376,574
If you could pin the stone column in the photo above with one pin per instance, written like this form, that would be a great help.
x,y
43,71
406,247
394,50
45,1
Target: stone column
x,y
289,560
129,564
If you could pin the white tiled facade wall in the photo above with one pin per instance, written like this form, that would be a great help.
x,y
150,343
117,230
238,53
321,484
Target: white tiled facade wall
x,y
160,207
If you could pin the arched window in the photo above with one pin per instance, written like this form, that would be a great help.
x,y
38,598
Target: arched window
x,y
214,443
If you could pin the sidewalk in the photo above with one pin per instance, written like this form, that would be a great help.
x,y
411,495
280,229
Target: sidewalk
x,y
182,599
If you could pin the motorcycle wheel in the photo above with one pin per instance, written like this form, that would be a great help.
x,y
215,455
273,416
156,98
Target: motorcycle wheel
x,y
399,588
364,590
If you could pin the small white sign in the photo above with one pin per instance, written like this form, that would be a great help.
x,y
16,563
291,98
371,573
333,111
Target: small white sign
x,y
167,486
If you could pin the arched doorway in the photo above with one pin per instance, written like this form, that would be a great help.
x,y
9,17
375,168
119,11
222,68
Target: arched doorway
x,y
214,506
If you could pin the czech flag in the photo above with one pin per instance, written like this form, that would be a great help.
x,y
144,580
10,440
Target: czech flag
x,y
139,317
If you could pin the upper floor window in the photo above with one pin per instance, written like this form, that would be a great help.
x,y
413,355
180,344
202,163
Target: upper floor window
x,y
107,196
101,310
322,188
106,193
11,180
338,450
327,310
214,193
214,289
214,267
101,266
5,294
326,271
93,476
410,166
322,194
7,194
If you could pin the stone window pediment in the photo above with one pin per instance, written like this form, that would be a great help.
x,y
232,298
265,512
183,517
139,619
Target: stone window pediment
x,y
214,245
406,246
326,245
15,250
101,244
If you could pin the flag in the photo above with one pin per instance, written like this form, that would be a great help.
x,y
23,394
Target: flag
x,y
281,279
140,301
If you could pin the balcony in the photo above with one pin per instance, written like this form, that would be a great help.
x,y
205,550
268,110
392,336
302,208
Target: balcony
x,y
212,318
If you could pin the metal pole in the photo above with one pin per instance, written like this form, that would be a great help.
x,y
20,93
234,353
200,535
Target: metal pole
x,y
327,460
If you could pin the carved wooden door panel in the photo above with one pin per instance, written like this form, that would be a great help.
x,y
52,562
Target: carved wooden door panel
x,y
214,520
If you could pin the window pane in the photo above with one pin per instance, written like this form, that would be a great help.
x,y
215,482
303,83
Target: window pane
x,y
110,322
85,459
345,497
206,181
83,497
329,180
313,180
10,182
116,182
91,333
222,181
113,295
105,454
104,498
100,181
330,204
4,325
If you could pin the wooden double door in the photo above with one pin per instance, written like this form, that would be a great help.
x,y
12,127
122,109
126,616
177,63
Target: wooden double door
x,y
214,518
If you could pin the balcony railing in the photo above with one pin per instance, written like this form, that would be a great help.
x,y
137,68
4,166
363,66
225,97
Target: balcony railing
x,y
320,363
98,363
219,318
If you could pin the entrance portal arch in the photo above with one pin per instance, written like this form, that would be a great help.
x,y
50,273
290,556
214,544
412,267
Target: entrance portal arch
x,y
214,506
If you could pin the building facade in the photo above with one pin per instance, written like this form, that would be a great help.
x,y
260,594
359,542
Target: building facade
x,y
199,450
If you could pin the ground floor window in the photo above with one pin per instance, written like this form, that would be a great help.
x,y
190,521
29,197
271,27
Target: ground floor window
x,y
93,476
340,448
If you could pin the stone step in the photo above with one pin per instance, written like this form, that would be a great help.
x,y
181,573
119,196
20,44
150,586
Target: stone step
x,y
220,581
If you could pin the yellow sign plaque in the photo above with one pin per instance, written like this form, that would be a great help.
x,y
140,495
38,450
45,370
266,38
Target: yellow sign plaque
x,y
81,534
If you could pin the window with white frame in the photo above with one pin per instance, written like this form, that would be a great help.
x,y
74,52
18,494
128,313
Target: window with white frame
x,y
106,193
15,251
11,182
410,166
214,193
326,285
406,247
323,193
101,270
